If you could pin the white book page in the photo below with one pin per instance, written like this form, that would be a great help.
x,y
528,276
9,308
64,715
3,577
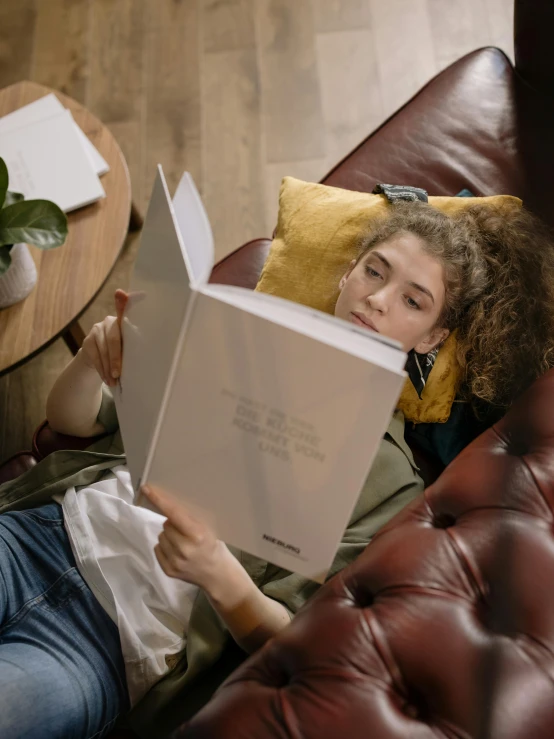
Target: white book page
x,y
46,107
195,230
311,322
268,434
153,323
46,160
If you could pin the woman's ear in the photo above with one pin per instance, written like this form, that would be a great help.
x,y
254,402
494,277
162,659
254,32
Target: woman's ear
x,y
347,274
436,337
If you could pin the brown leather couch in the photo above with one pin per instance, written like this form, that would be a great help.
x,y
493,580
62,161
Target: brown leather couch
x,y
410,640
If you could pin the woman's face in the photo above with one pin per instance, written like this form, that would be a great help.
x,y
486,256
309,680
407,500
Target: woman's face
x,y
398,290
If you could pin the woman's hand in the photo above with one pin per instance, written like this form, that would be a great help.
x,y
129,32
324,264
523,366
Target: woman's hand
x,y
187,549
102,348
190,551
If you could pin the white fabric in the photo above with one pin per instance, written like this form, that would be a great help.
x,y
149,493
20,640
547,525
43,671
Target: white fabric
x,y
113,542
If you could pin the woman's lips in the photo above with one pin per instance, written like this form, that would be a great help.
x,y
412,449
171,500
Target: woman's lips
x,y
364,322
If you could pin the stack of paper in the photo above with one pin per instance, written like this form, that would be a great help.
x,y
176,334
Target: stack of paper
x,y
49,157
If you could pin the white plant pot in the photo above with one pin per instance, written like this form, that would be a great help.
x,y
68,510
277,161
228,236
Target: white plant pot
x,y
20,278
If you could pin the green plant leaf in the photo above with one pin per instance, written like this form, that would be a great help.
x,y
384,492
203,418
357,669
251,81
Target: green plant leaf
x,y
5,259
4,179
38,222
13,197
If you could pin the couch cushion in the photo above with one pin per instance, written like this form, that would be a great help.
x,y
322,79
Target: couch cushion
x,y
318,234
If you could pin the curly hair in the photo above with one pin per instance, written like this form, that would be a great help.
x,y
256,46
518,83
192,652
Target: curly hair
x,y
498,263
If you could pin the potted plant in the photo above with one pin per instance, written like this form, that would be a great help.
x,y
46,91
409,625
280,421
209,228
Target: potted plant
x,y
22,222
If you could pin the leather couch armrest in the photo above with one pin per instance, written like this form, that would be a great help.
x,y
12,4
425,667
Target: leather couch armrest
x,y
242,267
16,465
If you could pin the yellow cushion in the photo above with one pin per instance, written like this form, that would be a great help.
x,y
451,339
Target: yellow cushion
x,y
317,235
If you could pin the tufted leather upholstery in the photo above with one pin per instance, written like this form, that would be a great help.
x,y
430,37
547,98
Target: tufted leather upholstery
x,y
402,642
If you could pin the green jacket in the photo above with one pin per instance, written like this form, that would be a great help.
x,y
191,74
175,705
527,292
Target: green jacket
x,y
392,483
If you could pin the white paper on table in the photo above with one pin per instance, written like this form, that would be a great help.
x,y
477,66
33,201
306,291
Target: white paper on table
x,y
46,160
47,107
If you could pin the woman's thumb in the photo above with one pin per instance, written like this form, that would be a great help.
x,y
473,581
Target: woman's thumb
x,y
121,298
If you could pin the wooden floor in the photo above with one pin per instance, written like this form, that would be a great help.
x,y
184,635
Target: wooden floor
x,y
238,92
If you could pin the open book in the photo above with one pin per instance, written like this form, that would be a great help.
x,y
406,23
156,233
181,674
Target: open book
x,y
261,415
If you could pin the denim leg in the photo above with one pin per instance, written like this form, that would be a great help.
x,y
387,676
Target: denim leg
x,y
61,668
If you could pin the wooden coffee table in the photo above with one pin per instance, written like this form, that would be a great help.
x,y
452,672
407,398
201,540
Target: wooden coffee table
x,y
69,277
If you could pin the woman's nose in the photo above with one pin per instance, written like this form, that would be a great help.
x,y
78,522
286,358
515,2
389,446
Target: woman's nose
x,y
377,301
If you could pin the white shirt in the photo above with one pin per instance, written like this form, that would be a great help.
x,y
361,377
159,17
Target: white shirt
x,y
113,542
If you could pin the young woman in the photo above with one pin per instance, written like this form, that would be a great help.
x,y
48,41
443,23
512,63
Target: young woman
x,y
102,601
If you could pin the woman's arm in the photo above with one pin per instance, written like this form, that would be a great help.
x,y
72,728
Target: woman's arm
x,y
189,550
251,617
74,400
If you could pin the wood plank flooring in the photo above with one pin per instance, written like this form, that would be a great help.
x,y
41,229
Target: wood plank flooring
x,y
239,92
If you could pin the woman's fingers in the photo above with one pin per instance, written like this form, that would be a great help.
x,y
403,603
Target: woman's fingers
x,y
93,356
102,349
171,549
164,561
101,343
121,298
92,347
177,514
180,542
113,345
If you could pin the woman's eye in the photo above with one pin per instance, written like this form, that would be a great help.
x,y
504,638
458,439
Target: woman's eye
x,y
413,304
372,272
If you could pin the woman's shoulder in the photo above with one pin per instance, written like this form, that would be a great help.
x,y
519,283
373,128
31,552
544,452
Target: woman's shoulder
x,y
446,440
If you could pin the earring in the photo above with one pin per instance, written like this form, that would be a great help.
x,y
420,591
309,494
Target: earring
x,y
421,377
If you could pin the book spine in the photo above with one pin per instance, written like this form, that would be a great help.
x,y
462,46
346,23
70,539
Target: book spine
x,y
169,386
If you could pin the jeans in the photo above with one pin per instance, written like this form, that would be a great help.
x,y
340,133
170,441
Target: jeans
x,y
61,667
